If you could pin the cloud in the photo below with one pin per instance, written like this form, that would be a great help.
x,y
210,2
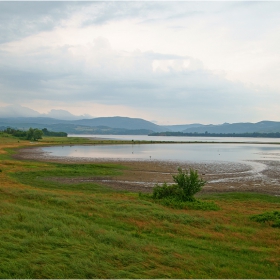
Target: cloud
x,y
100,74
191,61
23,18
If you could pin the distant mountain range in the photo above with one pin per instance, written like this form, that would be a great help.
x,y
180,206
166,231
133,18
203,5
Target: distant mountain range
x,y
16,111
104,125
262,127
23,118
133,126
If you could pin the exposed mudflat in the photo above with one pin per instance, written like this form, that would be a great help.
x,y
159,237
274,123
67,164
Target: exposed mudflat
x,y
248,176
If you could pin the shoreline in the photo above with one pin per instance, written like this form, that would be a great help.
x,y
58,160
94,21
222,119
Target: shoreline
x,y
143,175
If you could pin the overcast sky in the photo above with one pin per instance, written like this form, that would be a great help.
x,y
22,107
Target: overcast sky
x,y
168,62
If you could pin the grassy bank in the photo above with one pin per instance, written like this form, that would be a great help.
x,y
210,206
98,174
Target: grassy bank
x,y
55,229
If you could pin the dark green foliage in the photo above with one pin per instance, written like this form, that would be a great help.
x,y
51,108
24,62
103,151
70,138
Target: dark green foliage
x,y
189,183
181,194
16,132
34,134
272,218
54,134
165,190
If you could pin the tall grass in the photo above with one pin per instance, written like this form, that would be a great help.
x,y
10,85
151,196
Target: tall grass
x,y
51,229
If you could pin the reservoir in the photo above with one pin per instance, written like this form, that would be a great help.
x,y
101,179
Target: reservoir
x,y
180,138
195,152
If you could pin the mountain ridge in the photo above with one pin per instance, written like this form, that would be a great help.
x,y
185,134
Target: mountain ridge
x,y
126,125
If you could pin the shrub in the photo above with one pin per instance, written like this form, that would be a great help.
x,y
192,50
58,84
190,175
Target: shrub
x,y
188,184
272,218
165,190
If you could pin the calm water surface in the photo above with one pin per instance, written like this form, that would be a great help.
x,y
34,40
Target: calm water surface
x,y
175,152
179,138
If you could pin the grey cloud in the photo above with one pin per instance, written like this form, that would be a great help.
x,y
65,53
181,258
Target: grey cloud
x,y
20,19
136,85
111,11
24,18
121,78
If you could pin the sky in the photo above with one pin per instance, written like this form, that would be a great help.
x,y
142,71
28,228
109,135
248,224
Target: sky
x,y
166,62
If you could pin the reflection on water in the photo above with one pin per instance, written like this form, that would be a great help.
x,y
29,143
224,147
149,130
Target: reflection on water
x,y
174,152
180,138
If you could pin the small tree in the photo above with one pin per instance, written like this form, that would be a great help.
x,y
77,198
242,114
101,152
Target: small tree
x,y
38,133
189,182
30,133
34,134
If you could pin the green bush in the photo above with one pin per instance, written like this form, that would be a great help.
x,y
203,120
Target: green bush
x,y
188,184
272,218
165,190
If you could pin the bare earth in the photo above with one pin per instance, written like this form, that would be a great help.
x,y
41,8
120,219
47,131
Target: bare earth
x,y
141,176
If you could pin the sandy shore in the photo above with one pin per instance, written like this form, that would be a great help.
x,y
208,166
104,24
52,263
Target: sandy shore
x,y
250,176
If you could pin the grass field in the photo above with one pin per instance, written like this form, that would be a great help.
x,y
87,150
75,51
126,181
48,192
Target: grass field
x,y
50,229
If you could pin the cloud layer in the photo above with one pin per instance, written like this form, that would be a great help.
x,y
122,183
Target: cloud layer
x,y
180,62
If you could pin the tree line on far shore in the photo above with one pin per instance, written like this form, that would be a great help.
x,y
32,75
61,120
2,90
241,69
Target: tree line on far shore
x,y
33,134
207,134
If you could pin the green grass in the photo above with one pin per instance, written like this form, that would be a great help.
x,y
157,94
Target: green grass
x,y
51,235
47,178
50,229
242,196
176,203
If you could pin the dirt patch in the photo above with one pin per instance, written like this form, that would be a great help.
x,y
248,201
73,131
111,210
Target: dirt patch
x,y
251,176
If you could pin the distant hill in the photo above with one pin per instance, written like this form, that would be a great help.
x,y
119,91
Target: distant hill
x,y
17,111
31,120
121,122
128,127
181,127
263,126
133,126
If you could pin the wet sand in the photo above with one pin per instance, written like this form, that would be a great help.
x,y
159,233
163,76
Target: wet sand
x,y
248,176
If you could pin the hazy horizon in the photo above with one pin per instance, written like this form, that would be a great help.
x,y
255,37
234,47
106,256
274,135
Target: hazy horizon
x,y
165,62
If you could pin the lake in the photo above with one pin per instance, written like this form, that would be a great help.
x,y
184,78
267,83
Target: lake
x,y
197,152
179,138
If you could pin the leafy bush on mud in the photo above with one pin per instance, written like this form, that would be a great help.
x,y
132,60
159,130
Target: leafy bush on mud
x,y
187,185
165,190
181,195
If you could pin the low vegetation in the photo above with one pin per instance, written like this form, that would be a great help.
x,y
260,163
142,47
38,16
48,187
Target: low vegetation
x,y
52,227
181,194
32,134
272,218
187,185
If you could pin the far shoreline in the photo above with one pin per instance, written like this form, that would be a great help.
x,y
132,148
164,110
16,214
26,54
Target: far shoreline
x,y
144,139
